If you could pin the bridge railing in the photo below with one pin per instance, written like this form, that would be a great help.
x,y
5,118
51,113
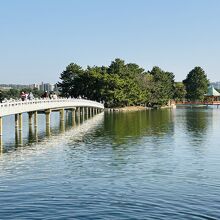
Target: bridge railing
x,y
199,103
11,103
15,107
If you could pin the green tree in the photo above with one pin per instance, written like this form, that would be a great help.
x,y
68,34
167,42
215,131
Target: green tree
x,y
118,85
196,84
72,84
180,91
162,86
2,95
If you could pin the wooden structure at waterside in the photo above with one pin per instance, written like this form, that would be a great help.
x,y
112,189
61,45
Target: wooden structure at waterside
x,y
212,98
212,95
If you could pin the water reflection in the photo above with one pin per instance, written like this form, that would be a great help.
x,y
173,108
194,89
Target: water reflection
x,y
62,126
83,170
33,135
20,139
36,134
197,123
129,125
1,145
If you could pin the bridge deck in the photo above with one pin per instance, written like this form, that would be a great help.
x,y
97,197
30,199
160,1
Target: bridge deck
x,y
16,107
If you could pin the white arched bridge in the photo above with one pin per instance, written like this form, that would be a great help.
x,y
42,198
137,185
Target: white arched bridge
x,y
46,106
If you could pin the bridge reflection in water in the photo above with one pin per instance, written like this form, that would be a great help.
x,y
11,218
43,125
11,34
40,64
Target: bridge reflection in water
x,y
76,109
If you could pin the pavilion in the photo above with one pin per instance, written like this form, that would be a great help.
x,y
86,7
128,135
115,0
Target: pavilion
x,y
212,94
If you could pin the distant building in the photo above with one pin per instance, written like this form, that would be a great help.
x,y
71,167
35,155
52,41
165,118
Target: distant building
x,y
42,87
34,86
46,87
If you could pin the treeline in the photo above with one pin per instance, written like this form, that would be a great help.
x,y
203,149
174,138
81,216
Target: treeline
x,y
16,93
122,84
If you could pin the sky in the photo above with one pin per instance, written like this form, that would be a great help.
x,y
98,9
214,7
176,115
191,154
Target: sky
x,y
38,39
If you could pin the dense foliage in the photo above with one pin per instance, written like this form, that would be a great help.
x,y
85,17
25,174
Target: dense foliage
x,y
124,84
196,84
179,91
118,85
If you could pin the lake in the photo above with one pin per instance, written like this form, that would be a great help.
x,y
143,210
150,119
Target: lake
x,y
154,164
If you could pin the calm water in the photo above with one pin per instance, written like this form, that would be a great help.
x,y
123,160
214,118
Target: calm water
x,y
158,164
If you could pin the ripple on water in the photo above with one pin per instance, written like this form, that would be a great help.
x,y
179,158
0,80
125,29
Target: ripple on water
x,y
165,166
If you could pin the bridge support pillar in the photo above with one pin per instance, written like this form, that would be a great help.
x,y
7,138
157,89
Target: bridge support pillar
x,y
20,124
83,114
30,114
86,112
62,113
47,112
20,138
62,121
20,121
83,111
73,116
36,134
62,126
16,137
77,110
35,119
16,121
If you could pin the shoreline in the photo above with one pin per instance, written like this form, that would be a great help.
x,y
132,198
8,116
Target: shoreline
x,y
136,108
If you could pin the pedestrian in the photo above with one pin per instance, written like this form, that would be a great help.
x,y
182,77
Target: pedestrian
x,y
30,96
45,95
23,96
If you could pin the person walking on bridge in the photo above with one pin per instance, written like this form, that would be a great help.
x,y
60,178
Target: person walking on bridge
x,y
23,96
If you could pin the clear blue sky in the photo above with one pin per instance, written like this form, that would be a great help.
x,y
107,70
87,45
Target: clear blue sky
x,y
38,39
